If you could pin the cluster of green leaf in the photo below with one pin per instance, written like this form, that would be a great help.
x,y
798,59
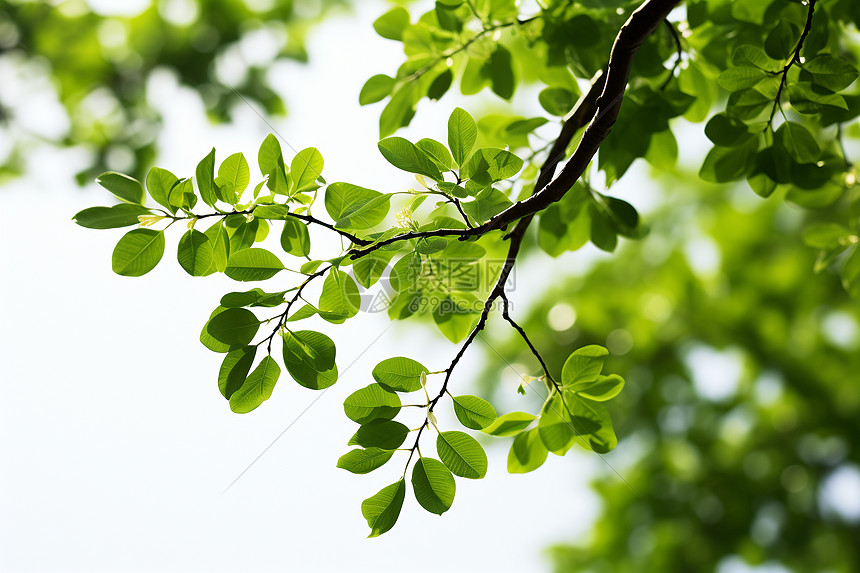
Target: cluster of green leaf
x,y
438,269
573,413
771,55
113,57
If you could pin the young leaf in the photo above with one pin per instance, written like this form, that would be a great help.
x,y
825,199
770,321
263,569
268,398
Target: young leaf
x,y
123,187
392,24
385,434
510,424
295,238
195,254
220,242
137,252
206,179
584,365
269,156
462,134
160,182
234,369
557,429
382,510
402,154
253,265
375,89
232,327
121,215
603,389
340,296
257,387
364,461
399,374
305,169
527,452
370,403
474,412
462,454
310,358
433,485
354,207
235,174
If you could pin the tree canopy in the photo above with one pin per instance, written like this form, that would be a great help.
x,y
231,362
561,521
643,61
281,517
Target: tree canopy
x,y
772,86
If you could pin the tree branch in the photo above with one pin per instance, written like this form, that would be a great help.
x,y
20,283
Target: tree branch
x,y
641,24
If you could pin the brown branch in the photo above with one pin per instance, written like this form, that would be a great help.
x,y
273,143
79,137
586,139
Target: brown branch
x,y
795,58
641,24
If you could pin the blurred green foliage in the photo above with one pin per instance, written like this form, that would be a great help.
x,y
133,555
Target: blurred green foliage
x,y
742,392
99,65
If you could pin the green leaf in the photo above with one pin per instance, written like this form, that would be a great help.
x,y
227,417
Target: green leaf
x,y
160,182
474,412
828,236
462,134
727,131
399,374
253,265
370,403
500,70
385,434
340,296
276,212
253,297
602,389
833,73
737,78
295,238
205,179
121,215
799,143
220,242
723,164
382,510
404,155
437,152
369,268
405,272
558,431
195,254
808,98
510,424
122,187
487,204
433,485
557,101
257,388
364,461
527,452
137,252
270,155
399,111
306,168
441,84
229,329
749,54
462,454
310,358
392,24
234,369
354,207
456,315
376,89
584,365
489,165
182,195
235,173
